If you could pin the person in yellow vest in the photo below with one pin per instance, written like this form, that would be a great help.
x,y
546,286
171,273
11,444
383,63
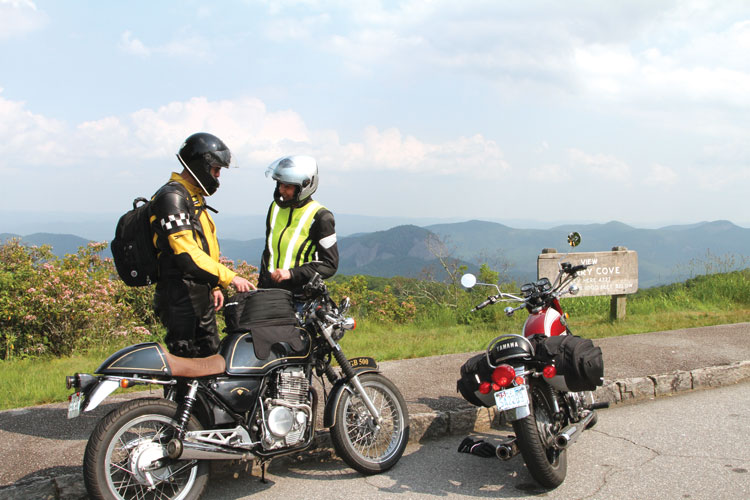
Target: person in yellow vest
x,y
188,291
300,232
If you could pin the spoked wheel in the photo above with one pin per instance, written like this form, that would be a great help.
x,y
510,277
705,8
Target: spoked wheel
x,y
362,443
535,435
126,455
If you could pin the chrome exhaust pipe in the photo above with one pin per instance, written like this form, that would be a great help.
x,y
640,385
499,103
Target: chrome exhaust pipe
x,y
570,433
506,451
186,450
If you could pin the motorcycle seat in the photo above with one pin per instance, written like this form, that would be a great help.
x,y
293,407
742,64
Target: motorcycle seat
x,y
195,367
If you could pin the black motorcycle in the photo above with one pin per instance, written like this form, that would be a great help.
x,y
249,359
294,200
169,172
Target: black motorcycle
x,y
254,400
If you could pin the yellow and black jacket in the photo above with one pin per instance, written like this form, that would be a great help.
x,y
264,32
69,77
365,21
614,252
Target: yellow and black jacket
x,y
301,239
185,235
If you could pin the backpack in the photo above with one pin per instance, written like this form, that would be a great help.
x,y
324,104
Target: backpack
x,y
133,247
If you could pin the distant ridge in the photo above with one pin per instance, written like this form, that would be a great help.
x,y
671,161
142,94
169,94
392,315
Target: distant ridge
x,y
665,255
61,243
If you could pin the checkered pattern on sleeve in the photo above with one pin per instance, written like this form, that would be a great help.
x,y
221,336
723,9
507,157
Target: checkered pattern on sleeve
x,y
175,221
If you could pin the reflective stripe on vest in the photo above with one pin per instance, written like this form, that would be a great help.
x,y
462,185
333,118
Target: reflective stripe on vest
x,y
290,235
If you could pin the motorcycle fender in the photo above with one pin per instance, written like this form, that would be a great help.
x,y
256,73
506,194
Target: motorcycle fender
x,y
517,413
329,415
100,392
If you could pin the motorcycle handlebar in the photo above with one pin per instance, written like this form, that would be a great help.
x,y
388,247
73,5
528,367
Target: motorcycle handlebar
x,y
571,269
490,300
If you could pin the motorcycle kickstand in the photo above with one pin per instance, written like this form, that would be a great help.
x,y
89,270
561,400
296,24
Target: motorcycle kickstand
x,y
263,471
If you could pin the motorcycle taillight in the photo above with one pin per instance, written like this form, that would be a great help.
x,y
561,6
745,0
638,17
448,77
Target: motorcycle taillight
x,y
503,375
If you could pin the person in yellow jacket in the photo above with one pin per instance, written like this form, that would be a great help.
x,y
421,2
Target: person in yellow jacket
x,y
188,291
300,232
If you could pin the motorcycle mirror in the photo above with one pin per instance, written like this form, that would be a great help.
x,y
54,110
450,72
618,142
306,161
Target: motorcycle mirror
x,y
344,305
574,239
468,280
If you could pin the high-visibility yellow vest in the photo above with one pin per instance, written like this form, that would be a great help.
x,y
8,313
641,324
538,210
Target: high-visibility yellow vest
x,y
288,242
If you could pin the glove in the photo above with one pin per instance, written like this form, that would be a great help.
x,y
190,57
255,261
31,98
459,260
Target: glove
x,y
477,447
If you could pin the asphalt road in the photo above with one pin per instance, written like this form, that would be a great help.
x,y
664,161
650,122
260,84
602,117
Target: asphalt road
x,y
41,452
692,446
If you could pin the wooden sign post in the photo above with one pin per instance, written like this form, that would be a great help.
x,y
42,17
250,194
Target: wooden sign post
x,y
612,273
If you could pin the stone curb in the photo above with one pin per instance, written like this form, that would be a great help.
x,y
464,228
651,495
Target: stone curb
x,y
429,425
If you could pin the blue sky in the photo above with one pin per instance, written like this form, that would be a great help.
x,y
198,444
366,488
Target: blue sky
x,y
581,111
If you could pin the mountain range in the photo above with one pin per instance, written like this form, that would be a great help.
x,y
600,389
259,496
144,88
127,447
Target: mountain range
x,y
665,255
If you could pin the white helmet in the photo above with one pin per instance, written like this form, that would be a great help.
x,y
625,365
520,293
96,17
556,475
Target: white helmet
x,y
297,170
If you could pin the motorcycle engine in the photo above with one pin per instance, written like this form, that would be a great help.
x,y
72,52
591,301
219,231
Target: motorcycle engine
x,y
286,410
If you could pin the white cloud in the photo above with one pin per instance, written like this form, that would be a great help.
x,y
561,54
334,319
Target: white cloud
x,y
295,29
186,46
722,179
600,165
29,138
660,176
667,55
391,150
256,136
550,173
18,17
132,45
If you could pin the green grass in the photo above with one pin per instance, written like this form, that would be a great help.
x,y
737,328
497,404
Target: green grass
x,y
27,382
701,301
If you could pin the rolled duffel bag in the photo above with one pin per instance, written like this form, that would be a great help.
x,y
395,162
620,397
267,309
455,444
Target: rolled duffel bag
x,y
246,308
475,368
576,358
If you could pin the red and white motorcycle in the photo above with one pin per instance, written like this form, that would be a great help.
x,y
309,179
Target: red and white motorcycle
x,y
540,380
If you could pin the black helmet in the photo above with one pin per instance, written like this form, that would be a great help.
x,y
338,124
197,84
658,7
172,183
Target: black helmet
x,y
507,347
199,153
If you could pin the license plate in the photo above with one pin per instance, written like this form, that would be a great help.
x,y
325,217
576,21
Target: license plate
x,y
74,407
511,398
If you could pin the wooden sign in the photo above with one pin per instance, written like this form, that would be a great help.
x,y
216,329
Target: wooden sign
x,y
609,273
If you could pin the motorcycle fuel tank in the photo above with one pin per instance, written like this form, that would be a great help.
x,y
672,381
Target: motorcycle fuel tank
x,y
547,322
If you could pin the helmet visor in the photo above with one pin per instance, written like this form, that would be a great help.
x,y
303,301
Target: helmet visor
x,y
222,158
297,170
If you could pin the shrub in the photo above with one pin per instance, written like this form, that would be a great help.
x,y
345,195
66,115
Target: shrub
x,y
52,305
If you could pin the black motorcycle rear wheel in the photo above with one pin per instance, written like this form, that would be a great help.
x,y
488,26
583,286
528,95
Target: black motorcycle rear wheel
x,y
126,455
535,436
368,448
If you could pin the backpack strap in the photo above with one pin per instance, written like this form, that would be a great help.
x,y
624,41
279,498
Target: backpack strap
x,y
195,211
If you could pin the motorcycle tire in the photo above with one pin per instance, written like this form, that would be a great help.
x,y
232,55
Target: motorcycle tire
x,y
363,446
127,442
535,438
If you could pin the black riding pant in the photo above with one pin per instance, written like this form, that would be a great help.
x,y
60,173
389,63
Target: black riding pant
x,y
186,309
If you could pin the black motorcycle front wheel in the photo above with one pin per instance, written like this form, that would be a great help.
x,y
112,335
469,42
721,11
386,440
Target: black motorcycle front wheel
x,y
126,455
366,446
535,435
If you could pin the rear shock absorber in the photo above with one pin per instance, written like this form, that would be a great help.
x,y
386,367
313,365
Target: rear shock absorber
x,y
185,409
